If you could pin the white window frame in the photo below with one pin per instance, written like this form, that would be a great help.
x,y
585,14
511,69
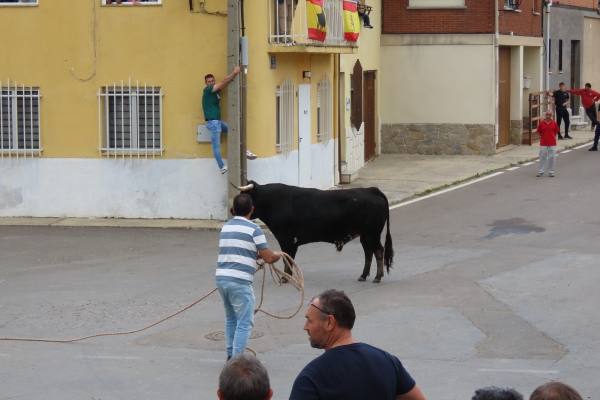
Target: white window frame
x,y
284,116
436,4
15,119
324,110
110,128
133,3
20,3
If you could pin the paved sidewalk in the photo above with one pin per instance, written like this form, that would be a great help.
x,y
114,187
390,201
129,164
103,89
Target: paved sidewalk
x,y
404,176
400,177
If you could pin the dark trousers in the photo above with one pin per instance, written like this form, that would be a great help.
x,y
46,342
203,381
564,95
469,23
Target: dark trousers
x,y
591,113
596,136
562,114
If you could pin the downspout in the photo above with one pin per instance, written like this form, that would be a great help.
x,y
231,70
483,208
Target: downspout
x,y
547,43
339,114
496,72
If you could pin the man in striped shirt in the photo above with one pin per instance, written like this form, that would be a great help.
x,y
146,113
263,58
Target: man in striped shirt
x,y
241,243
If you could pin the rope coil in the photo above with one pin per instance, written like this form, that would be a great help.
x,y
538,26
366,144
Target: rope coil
x,y
296,279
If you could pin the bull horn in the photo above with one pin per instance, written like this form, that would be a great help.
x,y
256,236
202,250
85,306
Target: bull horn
x,y
247,187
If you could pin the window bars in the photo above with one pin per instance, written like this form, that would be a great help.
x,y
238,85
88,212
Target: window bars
x,y
324,110
20,134
18,2
130,120
284,116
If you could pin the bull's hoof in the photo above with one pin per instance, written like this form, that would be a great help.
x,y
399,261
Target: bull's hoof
x,y
362,278
377,280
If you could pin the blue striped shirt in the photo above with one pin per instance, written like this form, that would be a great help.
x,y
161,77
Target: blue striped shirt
x,y
239,243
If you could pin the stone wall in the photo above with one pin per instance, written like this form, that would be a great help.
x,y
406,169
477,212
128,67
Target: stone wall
x,y
448,139
516,131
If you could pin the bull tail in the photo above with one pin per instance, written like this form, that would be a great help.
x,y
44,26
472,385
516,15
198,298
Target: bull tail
x,y
388,249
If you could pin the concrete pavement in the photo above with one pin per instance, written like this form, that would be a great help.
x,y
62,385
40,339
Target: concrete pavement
x,y
399,176
493,284
404,176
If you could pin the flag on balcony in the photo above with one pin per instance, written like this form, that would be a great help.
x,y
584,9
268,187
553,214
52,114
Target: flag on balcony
x,y
351,20
316,22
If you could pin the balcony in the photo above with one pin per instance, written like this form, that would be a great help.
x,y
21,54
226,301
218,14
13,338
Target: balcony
x,y
289,28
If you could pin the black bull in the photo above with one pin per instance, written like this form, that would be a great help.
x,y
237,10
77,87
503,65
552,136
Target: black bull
x,y
298,216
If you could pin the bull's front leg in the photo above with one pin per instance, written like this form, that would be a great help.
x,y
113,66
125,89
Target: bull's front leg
x,y
379,259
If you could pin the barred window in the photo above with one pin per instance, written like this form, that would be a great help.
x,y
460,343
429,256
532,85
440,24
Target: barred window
x,y
324,112
285,116
131,120
130,2
19,120
18,2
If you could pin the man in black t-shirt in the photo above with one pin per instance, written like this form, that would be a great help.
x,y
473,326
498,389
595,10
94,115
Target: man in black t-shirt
x,y
348,370
561,102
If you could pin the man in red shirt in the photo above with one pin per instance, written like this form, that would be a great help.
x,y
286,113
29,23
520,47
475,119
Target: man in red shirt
x,y
589,98
548,129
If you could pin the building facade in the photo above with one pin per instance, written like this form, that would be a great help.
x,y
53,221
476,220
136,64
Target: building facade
x,y
574,37
457,73
101,103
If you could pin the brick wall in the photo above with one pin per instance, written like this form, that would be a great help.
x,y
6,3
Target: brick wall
x,y
528,22
477,17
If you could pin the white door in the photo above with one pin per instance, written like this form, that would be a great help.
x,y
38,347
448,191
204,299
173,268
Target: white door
x,y
304,159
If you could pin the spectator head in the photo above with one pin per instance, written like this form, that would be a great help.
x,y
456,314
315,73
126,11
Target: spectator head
x,y
328,315
561,85
588,85
209,79
555,391
496,393
244,378
242,205
548,114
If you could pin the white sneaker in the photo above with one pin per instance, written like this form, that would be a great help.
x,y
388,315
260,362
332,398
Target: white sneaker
x,y
250,155
224,169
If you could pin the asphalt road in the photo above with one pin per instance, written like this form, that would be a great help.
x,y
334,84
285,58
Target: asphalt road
x,y
494,284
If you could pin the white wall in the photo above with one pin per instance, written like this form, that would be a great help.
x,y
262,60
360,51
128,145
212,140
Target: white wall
x,y
590,54
120,188
283,168
438,83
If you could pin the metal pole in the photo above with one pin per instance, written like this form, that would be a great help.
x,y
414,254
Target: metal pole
x,y
547,54
233,101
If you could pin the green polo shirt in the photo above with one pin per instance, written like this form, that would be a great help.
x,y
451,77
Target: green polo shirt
x,y
210,104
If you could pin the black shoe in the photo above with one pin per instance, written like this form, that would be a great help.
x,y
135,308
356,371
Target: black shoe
x,y
593,148
369,26
560,137
568,137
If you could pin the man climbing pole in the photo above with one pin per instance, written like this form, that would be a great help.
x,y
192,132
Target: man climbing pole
x,y
211,97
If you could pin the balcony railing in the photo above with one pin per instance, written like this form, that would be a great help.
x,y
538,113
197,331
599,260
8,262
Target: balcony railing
x,y
289,23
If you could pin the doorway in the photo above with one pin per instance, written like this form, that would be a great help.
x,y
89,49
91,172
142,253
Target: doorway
x,y
369,114
504,97
304,139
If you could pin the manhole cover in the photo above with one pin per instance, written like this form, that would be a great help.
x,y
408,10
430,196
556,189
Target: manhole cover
x,y
220,335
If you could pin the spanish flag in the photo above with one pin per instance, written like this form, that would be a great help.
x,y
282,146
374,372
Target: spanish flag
x,y
315,17
351,20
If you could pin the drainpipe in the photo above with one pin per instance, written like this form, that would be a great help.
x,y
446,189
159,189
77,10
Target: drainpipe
x,y
497,72
547,53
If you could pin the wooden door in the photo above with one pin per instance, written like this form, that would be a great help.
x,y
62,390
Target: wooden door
x,y
369,114
504,97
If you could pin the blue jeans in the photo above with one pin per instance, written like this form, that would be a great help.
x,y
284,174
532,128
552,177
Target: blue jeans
x,y
238,299
215,127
